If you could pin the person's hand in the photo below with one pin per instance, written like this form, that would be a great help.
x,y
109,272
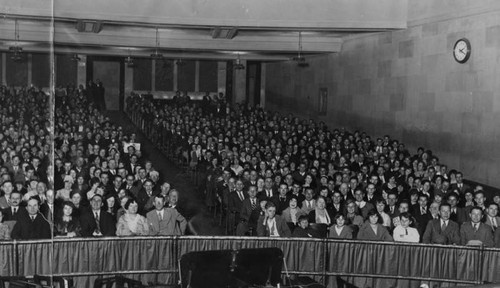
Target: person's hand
x,y
71,234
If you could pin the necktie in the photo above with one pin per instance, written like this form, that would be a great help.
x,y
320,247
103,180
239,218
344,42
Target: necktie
x,y
392,209
476,227
14,211
443,226
406,230
98,225
159,216
494,222
32,218
240,195
423,211
253,204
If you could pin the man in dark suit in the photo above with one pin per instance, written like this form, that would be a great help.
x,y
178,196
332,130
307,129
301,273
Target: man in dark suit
x,y
475,232
235,203
269,190
145,197
421,213
48,207
443,230
458,214
31,225
460,186
492,219
249,214
98,222
272,225
281,200
15,211
297,193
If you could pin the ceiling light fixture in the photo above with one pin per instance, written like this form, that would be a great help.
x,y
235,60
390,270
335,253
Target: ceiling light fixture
x,y
237,64
157,55
75,58
180,62
301,61
16,50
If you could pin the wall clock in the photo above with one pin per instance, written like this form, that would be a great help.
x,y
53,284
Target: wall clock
x,y
461,50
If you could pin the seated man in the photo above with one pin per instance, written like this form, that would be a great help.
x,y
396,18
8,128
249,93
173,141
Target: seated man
x,y
475,232
250,213
165,221
443,230
272,225
31,225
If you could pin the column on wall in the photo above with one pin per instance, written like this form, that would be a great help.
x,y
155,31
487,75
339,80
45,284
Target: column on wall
x,y
240,84
221,77
81,70
4,68
263,85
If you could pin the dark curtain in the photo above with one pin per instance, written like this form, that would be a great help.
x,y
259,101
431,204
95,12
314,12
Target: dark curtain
x,y
491,265
186,76
7,259
394,259
40,70
66,70
361,260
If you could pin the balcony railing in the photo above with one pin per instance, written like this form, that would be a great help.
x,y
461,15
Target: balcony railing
x,y
154,259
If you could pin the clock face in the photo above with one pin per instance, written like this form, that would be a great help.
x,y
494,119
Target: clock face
x,y
462,50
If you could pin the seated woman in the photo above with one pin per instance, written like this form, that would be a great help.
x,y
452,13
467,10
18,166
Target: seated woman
x,y
339,230
292,213
320,214
66,224
403,232
353,219
4,228
372,229
131,223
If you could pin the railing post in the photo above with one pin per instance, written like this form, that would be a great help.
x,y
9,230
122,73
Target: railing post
x,y
16,257
479,279
325,259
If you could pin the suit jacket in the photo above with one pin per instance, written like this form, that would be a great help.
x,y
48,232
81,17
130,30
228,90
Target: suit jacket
x,y
346,233
483,234
172,223
497,238
7,214
434,235
234,202
281,204
246,212
462,190
106,223
487,221
460,216
145,201
307,209
422,219
281,226
26,229
4,203
366,233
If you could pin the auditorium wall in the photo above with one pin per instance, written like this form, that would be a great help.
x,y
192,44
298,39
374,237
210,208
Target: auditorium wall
x,y
406,84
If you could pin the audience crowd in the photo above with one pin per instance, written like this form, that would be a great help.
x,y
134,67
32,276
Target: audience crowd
x,y
271,175
278,175
99,183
